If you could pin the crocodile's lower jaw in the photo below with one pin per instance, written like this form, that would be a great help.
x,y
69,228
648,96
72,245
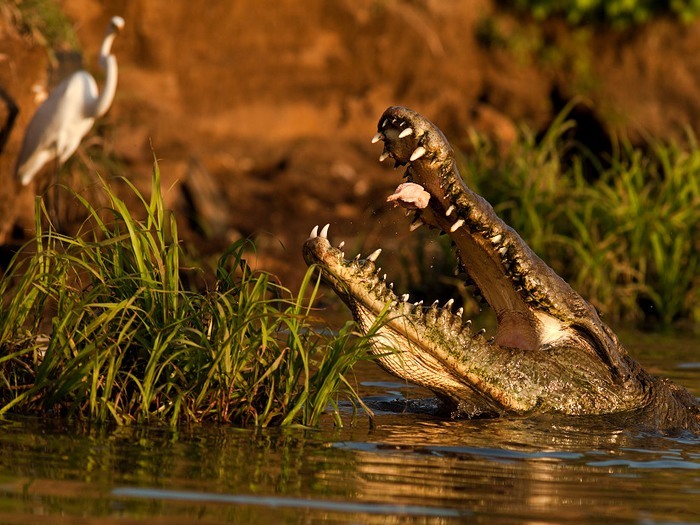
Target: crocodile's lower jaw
x,y
435,347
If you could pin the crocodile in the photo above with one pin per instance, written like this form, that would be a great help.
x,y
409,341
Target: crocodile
x,y
551,353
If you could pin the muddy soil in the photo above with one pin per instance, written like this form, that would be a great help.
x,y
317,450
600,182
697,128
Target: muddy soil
x,y
261,116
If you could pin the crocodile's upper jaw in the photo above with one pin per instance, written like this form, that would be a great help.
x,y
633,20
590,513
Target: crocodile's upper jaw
x,y
545,329
481,241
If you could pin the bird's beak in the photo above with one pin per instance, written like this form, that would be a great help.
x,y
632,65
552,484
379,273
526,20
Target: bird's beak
x,y
118,23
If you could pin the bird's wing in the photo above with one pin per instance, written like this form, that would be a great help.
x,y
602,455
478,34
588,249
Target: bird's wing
x,y
60,117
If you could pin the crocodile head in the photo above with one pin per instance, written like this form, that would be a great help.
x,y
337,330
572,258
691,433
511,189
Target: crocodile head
x,y
550,351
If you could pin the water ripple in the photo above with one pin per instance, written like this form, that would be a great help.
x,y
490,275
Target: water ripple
x,y
290,502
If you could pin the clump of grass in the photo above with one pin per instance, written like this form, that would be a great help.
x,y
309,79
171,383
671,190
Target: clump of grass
x,y
126,342
626,238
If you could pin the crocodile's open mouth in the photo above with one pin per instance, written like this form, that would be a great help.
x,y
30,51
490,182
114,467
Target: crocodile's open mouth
x,y
509,277
537,312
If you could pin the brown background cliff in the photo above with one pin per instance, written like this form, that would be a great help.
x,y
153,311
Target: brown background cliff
x,y
261,115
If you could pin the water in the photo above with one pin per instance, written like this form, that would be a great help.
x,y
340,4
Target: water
x,y
408,468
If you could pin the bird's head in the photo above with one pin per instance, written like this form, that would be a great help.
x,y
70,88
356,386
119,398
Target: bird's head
x,y
116,24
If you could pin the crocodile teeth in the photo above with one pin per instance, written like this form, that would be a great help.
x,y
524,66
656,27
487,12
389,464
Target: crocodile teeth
x,y
383,156
405,297
324,232
496,239
450,210
415,225
458,224
340,246
384,123
460,311
405,133
503,250
417,153
449,304
373,256
377,138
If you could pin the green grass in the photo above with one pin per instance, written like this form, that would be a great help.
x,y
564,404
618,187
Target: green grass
x,y
100,326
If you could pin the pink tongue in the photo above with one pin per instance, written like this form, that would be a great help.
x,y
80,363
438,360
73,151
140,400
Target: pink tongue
x,y
516,331
410,195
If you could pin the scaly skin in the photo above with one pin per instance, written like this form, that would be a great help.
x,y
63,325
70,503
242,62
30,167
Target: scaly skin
x,y
551,352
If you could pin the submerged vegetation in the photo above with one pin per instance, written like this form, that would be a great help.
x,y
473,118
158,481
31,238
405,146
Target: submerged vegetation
x,y
622,230
125,341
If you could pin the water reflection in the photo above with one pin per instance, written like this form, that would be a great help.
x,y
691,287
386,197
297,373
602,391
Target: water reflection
x,y
407,468
524,469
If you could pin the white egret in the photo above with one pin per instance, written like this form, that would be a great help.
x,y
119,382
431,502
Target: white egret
x,y
66,116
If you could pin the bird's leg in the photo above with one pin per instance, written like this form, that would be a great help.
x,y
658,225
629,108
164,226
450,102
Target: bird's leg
x,y
55,198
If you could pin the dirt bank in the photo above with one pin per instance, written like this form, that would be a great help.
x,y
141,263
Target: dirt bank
x,y
264,115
